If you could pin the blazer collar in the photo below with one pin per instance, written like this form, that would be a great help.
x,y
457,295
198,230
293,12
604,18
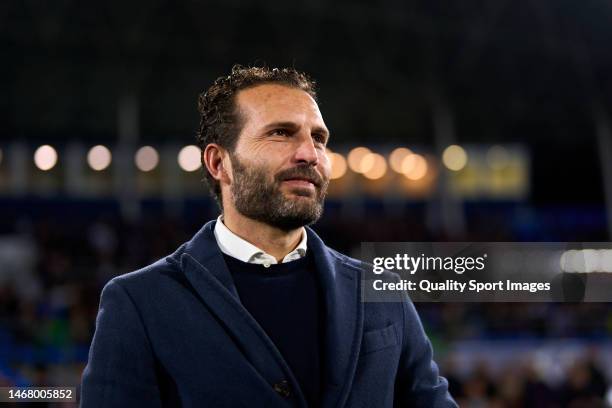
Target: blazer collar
x,y
205,268
233,245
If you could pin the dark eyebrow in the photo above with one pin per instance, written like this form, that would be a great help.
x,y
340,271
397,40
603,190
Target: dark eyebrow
x,y
284,125
322,130
292,126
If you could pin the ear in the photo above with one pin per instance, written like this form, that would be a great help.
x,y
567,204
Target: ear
x,y
216,160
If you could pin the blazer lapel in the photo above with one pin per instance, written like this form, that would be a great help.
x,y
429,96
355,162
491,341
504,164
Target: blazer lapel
x,y
341,285
207,272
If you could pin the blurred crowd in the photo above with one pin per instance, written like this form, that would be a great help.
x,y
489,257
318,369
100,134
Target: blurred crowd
x,y
522,385
51,274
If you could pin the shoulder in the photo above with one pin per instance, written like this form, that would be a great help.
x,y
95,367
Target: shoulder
x,y
344,259
150,276
362,267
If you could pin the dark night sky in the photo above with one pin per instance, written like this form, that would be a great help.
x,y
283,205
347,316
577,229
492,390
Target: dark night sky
x,y
527,72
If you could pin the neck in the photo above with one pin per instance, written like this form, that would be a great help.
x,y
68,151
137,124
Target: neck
x,y
272,240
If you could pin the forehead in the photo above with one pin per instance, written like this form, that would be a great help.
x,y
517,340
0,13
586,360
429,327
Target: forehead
x,y
271,102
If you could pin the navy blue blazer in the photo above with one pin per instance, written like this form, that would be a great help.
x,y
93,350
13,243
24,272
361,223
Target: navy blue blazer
x,y
174,334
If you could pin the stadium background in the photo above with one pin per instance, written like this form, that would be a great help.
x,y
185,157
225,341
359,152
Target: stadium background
x,y
521,91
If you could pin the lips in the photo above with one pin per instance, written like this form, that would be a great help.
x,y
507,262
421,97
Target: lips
x,y
302,179
301,184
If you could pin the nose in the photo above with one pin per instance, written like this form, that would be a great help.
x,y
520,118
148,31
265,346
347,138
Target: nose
x,y
306,152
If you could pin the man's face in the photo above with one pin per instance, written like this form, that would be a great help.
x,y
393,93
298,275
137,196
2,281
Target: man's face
x,y
280,169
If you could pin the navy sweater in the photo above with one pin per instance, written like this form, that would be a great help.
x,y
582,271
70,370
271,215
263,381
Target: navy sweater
x,y
284,299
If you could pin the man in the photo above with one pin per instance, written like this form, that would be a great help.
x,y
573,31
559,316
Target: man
x,y
255,310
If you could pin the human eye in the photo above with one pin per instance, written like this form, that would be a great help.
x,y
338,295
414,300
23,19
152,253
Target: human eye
x,y
279,132
319,138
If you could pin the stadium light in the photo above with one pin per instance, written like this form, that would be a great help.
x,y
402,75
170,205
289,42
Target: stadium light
x,y
454,157
338,165
396,158
146,158
99,157
45,157
355,157
414,167
376,166
189,158
586,260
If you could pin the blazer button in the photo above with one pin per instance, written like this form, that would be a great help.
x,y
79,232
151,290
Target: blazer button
x,y
282,387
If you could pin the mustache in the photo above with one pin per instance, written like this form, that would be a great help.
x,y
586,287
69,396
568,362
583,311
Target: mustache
x,y
301,172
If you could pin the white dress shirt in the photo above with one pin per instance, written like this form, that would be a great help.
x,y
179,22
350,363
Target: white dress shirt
x,y
236,247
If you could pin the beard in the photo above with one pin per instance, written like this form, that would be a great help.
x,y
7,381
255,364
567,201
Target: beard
x,y
258,198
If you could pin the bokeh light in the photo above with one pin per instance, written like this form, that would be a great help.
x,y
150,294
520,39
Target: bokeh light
x,y
396,158
45,157
146,158
454,157
189,158
356,156
99,157
338,165
414,167
376,166
586,260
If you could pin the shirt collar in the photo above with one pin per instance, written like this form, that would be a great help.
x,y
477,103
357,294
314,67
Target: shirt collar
x,y
236,247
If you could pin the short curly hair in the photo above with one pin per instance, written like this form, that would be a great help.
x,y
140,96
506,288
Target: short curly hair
x,y
220,121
